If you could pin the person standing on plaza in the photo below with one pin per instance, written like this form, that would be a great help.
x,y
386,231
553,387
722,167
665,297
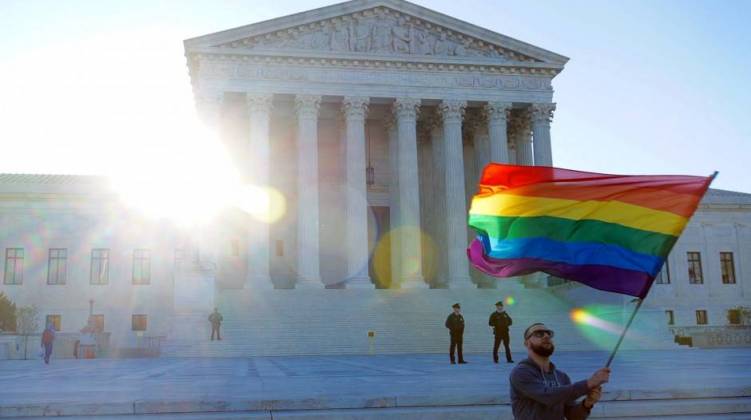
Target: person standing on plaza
x,y
500,321
455,324
48,337
541,391
216,322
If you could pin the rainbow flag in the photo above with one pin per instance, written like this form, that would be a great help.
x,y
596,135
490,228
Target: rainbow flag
x,y
610,232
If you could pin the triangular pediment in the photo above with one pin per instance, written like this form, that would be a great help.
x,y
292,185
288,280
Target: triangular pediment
x,y
393,28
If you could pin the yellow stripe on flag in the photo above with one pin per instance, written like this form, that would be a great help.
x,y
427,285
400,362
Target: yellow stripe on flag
x,y
606,211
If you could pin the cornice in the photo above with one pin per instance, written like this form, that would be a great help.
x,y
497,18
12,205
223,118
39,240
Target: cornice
x,y
368,61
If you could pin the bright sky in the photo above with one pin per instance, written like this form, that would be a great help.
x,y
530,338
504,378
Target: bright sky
x,y
101,87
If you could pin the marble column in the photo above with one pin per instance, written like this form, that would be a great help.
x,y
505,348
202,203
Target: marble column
x,y
259,269
481,145
425,151
456,210
497,115
406,110
437,228
523,134
394,245
355,109
542,115
308,263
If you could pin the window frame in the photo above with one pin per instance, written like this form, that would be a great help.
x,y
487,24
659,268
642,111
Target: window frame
x,y
61,260
727,268
105,260
663,277
701,315
98,322
142,260
13,277
671,316
693,264
55,319
136,320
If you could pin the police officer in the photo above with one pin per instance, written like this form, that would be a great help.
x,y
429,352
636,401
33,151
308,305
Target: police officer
x,y
455,324
500,321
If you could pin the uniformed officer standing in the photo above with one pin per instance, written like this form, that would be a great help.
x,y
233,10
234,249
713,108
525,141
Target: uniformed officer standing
x,y
500,321
455,324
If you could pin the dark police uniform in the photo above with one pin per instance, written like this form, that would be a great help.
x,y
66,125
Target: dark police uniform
x,y
455,324
500,321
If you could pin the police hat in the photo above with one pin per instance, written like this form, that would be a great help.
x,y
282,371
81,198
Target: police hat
x,y
456,305
499,303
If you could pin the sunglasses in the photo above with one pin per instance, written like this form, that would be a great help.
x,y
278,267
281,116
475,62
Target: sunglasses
x,y
541,333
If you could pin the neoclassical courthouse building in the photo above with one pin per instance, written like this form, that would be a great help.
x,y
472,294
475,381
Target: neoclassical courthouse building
x,y
373,118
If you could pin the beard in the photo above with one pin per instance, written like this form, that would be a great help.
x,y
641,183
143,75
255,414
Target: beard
x,y
543,350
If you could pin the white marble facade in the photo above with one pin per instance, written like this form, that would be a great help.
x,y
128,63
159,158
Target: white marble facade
x,y
308,104
303,91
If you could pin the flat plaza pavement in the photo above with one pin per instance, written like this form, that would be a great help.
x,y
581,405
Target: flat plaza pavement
x,y
689,382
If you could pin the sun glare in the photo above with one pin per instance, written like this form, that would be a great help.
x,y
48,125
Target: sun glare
x,y
192,185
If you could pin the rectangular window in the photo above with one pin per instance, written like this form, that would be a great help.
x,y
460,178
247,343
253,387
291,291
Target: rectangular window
x,y
97,322
701,317
734,316
695,275
279,248
54,320
663,277
13,266
139,322
141,266
728,268
670,316
100,262
235,248
56,267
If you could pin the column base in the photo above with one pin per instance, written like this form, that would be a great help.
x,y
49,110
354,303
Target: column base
x,y
413,283
359,283
461,283
309,284
259,283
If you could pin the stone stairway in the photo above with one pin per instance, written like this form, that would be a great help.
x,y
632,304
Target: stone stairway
x,y
338,321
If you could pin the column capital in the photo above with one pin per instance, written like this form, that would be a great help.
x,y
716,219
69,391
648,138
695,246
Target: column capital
x,y
476,121
432,119
259,102
542,112
452,110
407,108
520,122
307,106
498,111
355,107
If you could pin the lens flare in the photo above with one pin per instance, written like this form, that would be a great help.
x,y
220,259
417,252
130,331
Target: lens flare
x,y
264,204
387,270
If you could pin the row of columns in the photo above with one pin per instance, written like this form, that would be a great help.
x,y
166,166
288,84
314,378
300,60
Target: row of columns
x,y
448,198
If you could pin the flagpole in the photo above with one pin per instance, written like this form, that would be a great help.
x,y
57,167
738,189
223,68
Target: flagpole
x,y
623,334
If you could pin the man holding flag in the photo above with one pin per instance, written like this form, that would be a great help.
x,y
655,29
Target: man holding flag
x,y
540,391
610,232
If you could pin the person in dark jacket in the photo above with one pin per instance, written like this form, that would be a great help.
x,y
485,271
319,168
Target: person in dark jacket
x,y
500,321
540,391
216,322
455,324
48,337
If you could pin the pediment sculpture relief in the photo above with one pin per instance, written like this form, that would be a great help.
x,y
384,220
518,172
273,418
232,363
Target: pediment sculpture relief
x,y
378,31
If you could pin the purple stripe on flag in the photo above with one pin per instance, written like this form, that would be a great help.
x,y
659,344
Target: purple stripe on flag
x,y
603,277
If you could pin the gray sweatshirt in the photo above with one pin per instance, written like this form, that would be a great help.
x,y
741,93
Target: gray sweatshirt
x,y
536,395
